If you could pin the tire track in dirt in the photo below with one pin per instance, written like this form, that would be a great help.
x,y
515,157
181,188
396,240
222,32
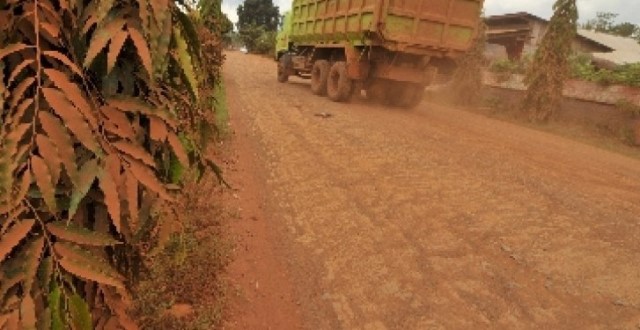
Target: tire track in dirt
x,y
439,218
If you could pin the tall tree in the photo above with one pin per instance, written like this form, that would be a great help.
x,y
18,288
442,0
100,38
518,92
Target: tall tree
x,y
550,68
606,22
211,12
258,13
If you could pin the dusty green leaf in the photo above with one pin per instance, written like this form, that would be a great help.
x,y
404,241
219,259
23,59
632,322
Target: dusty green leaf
x,y
82,183
28,313
15,234
73,117
44,180
80,314
32,261
55,300
61,139
80,235
109,188
184,59
85,264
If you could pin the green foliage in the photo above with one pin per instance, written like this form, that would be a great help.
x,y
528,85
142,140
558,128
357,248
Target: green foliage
x,y
550,67
582,68
606,22
257,22
629,108
210,11
258,13
258,40
95,98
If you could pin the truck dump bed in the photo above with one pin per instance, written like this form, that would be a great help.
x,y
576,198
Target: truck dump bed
x,y
430,27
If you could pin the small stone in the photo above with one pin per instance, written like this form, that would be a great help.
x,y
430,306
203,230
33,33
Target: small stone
x,y
180,311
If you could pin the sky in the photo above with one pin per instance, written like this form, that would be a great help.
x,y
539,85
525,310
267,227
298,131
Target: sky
x,y
628,9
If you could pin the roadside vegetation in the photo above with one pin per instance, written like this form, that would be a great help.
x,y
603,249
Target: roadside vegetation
x,y
581,68
550,65
107,111
258,22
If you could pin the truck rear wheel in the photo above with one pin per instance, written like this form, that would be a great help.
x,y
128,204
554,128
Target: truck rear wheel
x,y
283,68
411,95
339,85
377,91
319,76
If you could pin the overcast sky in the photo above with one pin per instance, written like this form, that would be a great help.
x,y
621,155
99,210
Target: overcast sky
x,y
628,9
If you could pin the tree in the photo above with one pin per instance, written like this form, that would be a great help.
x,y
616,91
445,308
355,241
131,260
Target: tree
x,y
550,68
258,13
214,18
605,22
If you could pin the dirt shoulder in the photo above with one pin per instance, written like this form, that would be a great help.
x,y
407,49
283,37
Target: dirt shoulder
x,y
261,294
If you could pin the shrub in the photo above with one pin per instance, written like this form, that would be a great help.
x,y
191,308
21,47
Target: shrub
x,y
98,99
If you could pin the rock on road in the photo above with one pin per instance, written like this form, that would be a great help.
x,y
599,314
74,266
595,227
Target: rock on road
x,y
437,218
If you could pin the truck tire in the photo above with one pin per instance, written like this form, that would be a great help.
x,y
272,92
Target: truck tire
x,y
339,85
283,68
319,75
411,95
377,91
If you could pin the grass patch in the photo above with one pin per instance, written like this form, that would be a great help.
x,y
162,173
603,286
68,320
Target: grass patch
x,y
221,109
186,269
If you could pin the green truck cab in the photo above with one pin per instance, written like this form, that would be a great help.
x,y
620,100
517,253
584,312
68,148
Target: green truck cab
x,y
389,48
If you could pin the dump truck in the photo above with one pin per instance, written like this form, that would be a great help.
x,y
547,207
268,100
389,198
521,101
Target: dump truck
x,y
390,49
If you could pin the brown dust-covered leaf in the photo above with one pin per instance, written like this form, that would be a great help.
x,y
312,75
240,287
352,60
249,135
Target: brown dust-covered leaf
x,y
74,94
148,178
142,47
19,68
27,313
15,234
135,151
80,235
131,184
115,47
72,118
111,196
64,59
119,306
47,150
86,265
22,108
157,129
12,48
19,92
52,29
82,183
137,106
117,122
178,148
32,261
23,187
15,136
104,6
44,180
100,39
61,139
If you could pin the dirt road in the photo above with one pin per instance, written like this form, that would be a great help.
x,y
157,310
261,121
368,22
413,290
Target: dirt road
x,y
437,218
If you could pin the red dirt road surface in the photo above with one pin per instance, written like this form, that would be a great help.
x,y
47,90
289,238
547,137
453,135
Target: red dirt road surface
x,y
435,218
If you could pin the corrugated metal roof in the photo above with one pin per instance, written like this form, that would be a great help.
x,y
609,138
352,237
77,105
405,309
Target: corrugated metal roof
x,y
625,50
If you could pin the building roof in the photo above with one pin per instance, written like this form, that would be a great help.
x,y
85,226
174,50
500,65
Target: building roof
x,y
624,50
618,50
